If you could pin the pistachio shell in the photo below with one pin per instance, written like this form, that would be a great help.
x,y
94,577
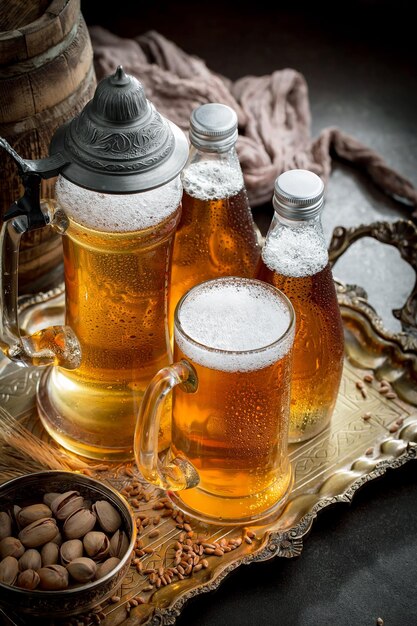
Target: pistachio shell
x,y
57,539
119,544
29,579
15,512
96,545
31,513
48,498
53,577
9,570
107,516
107,566
31,559
10,546
38,533
82,569
79,523
66,503
5,525
70,550
49,553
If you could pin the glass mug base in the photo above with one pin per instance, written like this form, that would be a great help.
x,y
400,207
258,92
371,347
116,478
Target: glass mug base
x,y
89,422
224,511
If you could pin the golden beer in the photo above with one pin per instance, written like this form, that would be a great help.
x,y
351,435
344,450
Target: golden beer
x,y
237,334
116,283
318,348
210,242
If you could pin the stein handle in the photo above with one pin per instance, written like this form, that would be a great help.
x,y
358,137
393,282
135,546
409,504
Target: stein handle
x,y
174,474
56,345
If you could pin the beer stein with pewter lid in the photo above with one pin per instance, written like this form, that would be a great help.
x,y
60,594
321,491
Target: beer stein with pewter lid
x,y
118,199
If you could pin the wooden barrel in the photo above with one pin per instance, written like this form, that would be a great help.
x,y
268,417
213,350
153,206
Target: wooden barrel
x,y
46,77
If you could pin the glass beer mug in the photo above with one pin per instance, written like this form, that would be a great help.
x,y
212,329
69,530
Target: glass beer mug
x,y
118,198
228,460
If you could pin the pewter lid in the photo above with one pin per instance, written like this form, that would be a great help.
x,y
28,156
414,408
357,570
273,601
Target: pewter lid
x,y
119,143
298,194
213,127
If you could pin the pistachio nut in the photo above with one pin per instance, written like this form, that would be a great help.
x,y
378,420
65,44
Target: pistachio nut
x,y
107,566
31,559
70,550
96,545
66,503
10,546
108,517
53,577
5,525
49,553
39,532
9,570
119,544
29,579
57,539
79,523
82,569
15,512
49,497
31,513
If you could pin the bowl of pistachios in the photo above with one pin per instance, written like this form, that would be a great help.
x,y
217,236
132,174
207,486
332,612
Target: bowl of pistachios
x,y
66,542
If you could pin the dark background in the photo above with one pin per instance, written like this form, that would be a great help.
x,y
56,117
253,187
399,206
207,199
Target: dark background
x,y
359,60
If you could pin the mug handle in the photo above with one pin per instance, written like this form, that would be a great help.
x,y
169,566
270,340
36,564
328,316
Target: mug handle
x,y
174,473
56,345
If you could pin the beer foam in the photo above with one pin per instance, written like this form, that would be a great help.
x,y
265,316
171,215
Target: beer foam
x,y
118,212
212,180
296,252
233,317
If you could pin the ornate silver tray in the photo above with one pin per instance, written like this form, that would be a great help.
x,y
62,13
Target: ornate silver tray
x,y
374,427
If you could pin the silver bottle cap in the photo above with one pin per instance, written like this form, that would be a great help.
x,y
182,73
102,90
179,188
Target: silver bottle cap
x,y
213,127
298,195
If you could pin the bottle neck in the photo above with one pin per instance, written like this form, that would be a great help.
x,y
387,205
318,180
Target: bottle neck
x,y
314,223
295,247
212,174
227,156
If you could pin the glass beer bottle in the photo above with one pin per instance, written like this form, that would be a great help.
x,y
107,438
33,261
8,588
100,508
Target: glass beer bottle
x,y
295,260
216,235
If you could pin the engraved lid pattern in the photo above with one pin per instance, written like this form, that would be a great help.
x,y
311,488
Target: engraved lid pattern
x,y
119,143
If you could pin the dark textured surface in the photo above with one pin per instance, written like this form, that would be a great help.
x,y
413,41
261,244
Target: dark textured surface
x,y
360,561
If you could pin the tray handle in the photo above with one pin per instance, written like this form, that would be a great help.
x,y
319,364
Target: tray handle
x,y
401,234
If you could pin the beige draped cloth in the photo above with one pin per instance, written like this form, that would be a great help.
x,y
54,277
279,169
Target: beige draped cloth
x,y
273,113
